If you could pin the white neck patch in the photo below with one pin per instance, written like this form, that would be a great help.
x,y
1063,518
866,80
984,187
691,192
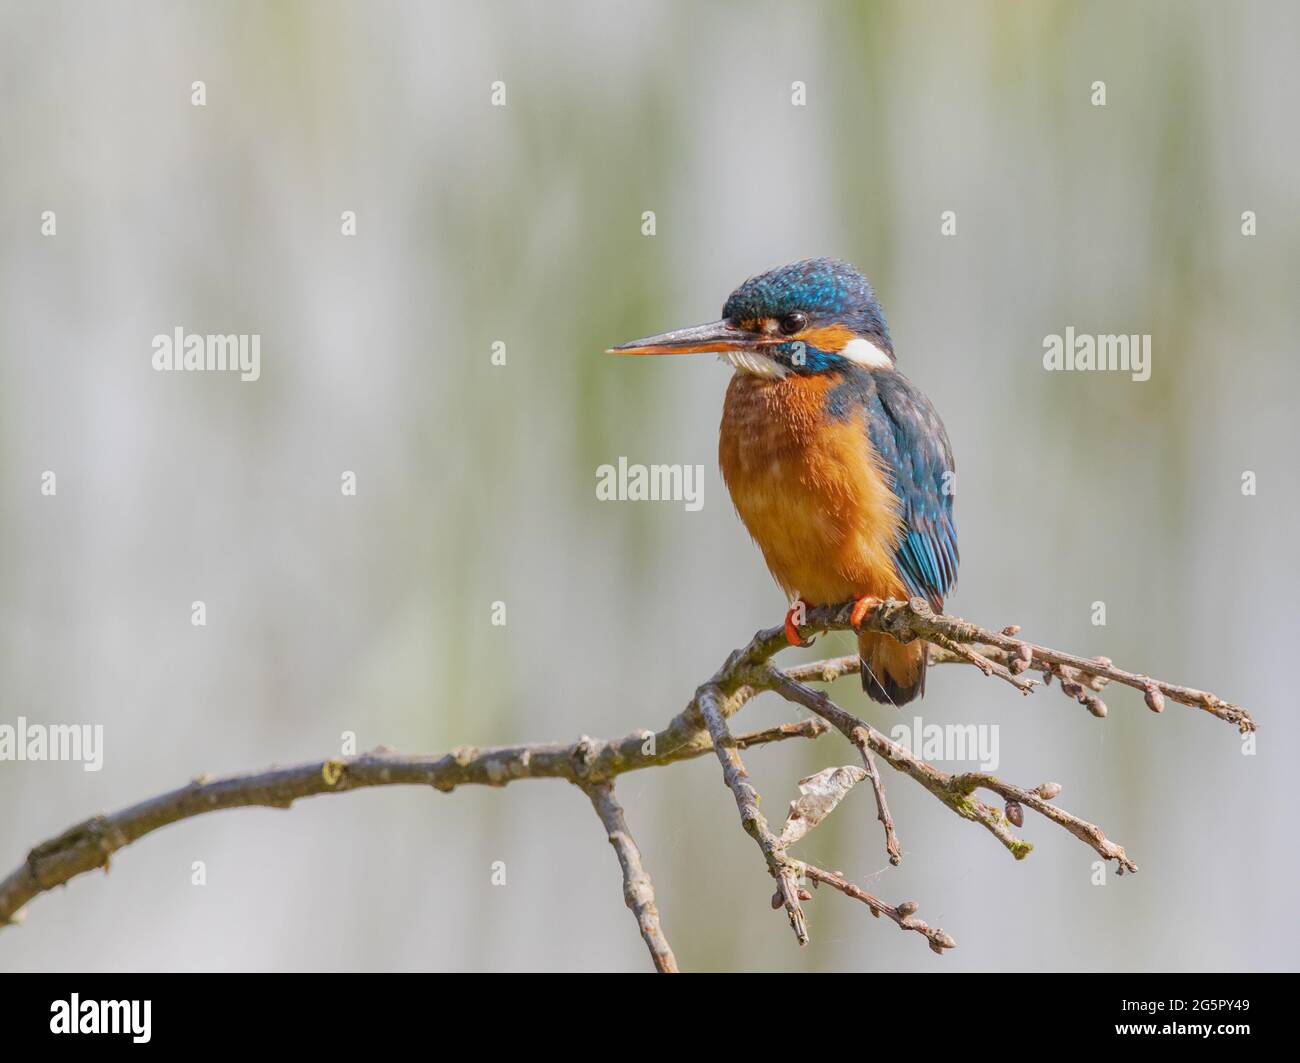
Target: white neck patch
x,y
757,364
866,353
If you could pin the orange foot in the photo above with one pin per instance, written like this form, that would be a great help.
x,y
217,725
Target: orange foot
x,y
861,607
791,628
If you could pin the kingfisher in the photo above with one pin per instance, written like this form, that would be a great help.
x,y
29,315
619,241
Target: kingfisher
x,y
837,464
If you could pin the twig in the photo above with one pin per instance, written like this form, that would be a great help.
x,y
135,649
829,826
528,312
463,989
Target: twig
x,y
953,790
811,727
969,782
902,915
638,892
915,619
985,665
780,866
882,807
827,671
833,668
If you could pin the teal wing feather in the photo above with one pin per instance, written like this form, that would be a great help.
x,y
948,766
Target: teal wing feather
x,y
914,449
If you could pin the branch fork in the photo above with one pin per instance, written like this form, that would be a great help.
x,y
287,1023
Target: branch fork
x,y
593,765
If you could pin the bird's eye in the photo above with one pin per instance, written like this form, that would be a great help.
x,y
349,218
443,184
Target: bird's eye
x,y
792,323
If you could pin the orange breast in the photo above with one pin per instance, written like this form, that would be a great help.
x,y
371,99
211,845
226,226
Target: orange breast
x,y
809,489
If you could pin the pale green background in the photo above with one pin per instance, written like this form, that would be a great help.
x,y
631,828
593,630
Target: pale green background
x,y
522,224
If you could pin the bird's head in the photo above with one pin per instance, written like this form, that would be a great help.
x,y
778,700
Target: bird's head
x,y
809,317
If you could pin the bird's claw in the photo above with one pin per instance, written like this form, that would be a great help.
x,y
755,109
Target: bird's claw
x,y
861,607
791,628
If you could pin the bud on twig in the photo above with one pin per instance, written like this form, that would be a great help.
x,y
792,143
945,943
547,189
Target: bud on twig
x,y
1015,813
1155,699
1049,790
1022,658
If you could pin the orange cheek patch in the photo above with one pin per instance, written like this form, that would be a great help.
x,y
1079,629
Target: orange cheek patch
x,y
830,338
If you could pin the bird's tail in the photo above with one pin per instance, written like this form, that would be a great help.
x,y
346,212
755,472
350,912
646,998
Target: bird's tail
x,y
892,672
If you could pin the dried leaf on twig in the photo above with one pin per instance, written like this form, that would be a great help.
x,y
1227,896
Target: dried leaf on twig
x,y
818,796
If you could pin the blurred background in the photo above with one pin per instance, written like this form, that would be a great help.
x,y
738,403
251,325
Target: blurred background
x,y
475,483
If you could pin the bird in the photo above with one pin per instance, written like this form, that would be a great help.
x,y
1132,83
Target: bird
x,y
838,465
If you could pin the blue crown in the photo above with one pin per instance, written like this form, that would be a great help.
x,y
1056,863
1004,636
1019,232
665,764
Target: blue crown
x,y
827,290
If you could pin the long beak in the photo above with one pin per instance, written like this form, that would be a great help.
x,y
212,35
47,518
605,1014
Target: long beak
x,y
715,336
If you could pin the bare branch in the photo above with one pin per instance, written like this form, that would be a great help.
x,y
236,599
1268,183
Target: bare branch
x,y
638,892
915,619
866,739
780,866
89,845
882,808
827,671
953,790
593,764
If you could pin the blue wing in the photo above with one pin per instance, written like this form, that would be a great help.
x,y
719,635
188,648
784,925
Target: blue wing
x,y
913,448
